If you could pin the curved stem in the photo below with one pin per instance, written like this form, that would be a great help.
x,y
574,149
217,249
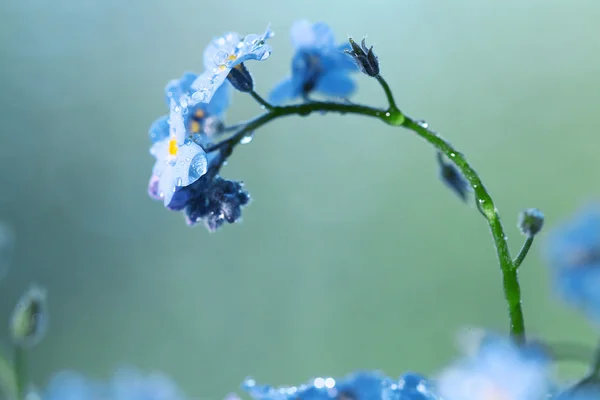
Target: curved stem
x,y
523,252
265,104
392,116
388,93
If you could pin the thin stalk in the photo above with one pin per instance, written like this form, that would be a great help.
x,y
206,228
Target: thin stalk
x,y
392,116
523,252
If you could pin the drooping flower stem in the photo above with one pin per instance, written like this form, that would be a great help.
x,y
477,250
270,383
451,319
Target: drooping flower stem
x,y
393,116
523,252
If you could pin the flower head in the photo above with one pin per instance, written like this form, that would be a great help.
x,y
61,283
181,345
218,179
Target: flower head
x,y
498,371
180,160
573,254
222,55
363,56
318,65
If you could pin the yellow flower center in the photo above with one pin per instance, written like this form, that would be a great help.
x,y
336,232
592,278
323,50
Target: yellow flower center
x,y
173,147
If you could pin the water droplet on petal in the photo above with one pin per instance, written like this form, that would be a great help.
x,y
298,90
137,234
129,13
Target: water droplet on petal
x,y
179,182
220,58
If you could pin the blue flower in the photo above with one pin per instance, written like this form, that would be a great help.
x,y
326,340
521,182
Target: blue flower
x,y
499,370
126,384
224,53
318,65
362,385
180,159
573,254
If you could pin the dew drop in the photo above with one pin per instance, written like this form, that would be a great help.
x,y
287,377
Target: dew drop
x,y
452,155
422,123
220,57
387,114
183,103
247,139
179,182
319,383
329,383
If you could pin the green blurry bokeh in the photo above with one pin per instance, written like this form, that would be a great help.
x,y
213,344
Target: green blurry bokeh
x,y
352,254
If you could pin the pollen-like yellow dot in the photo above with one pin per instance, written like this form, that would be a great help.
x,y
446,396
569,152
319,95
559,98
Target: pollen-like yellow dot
x,y
232,57
199,114
194,126
173,147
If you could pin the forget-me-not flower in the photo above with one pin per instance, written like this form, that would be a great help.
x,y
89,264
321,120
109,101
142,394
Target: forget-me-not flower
x,y
498,371
180,160
225,53
573,253
318,65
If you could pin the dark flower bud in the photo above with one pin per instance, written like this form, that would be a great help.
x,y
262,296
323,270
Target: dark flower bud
x,y
215,201
240,78
364,57
531,222
30,318
453,178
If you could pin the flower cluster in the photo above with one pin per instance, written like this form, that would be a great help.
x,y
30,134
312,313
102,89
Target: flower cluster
x,y
190,142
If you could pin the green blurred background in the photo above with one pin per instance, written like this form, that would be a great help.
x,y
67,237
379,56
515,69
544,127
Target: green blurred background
x,y
352,254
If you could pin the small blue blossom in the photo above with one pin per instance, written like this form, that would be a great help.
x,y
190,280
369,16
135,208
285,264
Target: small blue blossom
x,y
180,160
573,254
363,385
499,370
126,384
222,55
318,65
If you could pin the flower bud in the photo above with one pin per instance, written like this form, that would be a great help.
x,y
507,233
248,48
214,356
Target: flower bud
x,y
364,57
240,78
29,320
453,178
530,222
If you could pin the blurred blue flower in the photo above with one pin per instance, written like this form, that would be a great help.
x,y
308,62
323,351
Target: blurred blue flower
x,y
126,384
499,370
573,254
361,385
224,53
318,65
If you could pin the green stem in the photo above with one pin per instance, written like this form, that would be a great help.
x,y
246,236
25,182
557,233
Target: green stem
x,y
8,379
262,101
523,252
20,372
388,93
392,116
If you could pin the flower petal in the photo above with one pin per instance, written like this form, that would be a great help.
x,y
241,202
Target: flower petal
x,y
283,91
220,101
336,84
305,34
219,49
176,123
207,84
159,129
